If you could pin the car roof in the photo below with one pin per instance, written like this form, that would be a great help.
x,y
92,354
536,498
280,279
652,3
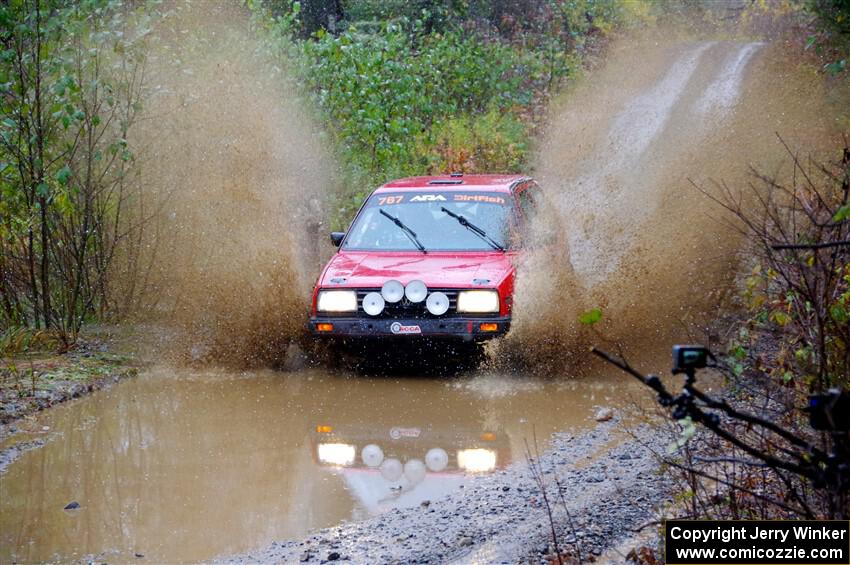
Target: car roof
x,y
490,183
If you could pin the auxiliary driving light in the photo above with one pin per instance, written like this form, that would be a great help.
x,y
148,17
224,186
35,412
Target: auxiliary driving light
x,y
373,304
392,291
416,291
437,459
414,470
372,455
391,469
437,303
480,301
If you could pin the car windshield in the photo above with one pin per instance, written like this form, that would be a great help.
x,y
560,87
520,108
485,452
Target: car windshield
x,y
397,221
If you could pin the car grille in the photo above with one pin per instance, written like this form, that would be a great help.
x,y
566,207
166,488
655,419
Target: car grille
x,y
409,310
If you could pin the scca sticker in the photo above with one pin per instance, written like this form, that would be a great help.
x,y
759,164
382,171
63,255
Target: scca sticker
x,y
398,433
397,328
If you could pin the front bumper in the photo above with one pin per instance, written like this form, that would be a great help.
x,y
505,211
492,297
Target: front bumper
x,y
466,329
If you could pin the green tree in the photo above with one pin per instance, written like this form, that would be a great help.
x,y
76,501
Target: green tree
x,y
72,80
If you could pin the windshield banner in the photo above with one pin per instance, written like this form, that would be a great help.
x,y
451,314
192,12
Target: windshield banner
x,y
429,197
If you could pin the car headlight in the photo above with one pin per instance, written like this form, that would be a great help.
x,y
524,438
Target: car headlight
x,y
337,301
340,454
480,301
476,460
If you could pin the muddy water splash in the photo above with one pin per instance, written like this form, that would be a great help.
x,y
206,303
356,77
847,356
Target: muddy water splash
x,y
242,173
644,245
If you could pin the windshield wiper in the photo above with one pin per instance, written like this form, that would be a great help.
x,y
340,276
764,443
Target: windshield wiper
x,y
474,229
409,232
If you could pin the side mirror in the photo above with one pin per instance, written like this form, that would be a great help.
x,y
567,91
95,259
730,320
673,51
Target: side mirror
x,y
336,237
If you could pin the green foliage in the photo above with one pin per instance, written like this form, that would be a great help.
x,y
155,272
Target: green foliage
x,y
687,432
388,97
425,86
832,37
494,141
69,90
590,317
799,298
18,341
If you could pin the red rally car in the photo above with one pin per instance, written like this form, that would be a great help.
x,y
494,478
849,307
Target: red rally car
x,y
430,257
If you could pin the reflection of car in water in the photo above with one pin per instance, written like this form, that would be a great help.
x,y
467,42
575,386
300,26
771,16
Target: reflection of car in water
x,y
427,257
404,466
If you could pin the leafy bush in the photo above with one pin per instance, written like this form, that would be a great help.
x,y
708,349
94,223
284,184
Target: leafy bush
x,y
494,142
832,26
798,293
408,88
383,93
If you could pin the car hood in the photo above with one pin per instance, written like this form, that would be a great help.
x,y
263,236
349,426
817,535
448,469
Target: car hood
x,y
435,269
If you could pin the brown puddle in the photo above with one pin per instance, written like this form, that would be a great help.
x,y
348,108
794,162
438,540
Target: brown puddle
x,y
189,466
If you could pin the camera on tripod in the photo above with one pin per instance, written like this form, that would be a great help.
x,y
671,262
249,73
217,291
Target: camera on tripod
x,y
830,411
688,358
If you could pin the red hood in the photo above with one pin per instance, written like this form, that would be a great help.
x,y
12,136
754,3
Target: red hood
x,y
435,269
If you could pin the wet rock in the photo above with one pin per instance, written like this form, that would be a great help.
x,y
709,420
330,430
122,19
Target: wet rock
x,y
465,541
506,488
305,557
139,555
333,556
603,414
425,503
72,505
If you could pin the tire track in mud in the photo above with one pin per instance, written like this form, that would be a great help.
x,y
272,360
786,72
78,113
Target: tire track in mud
x,y
633,131
644,245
